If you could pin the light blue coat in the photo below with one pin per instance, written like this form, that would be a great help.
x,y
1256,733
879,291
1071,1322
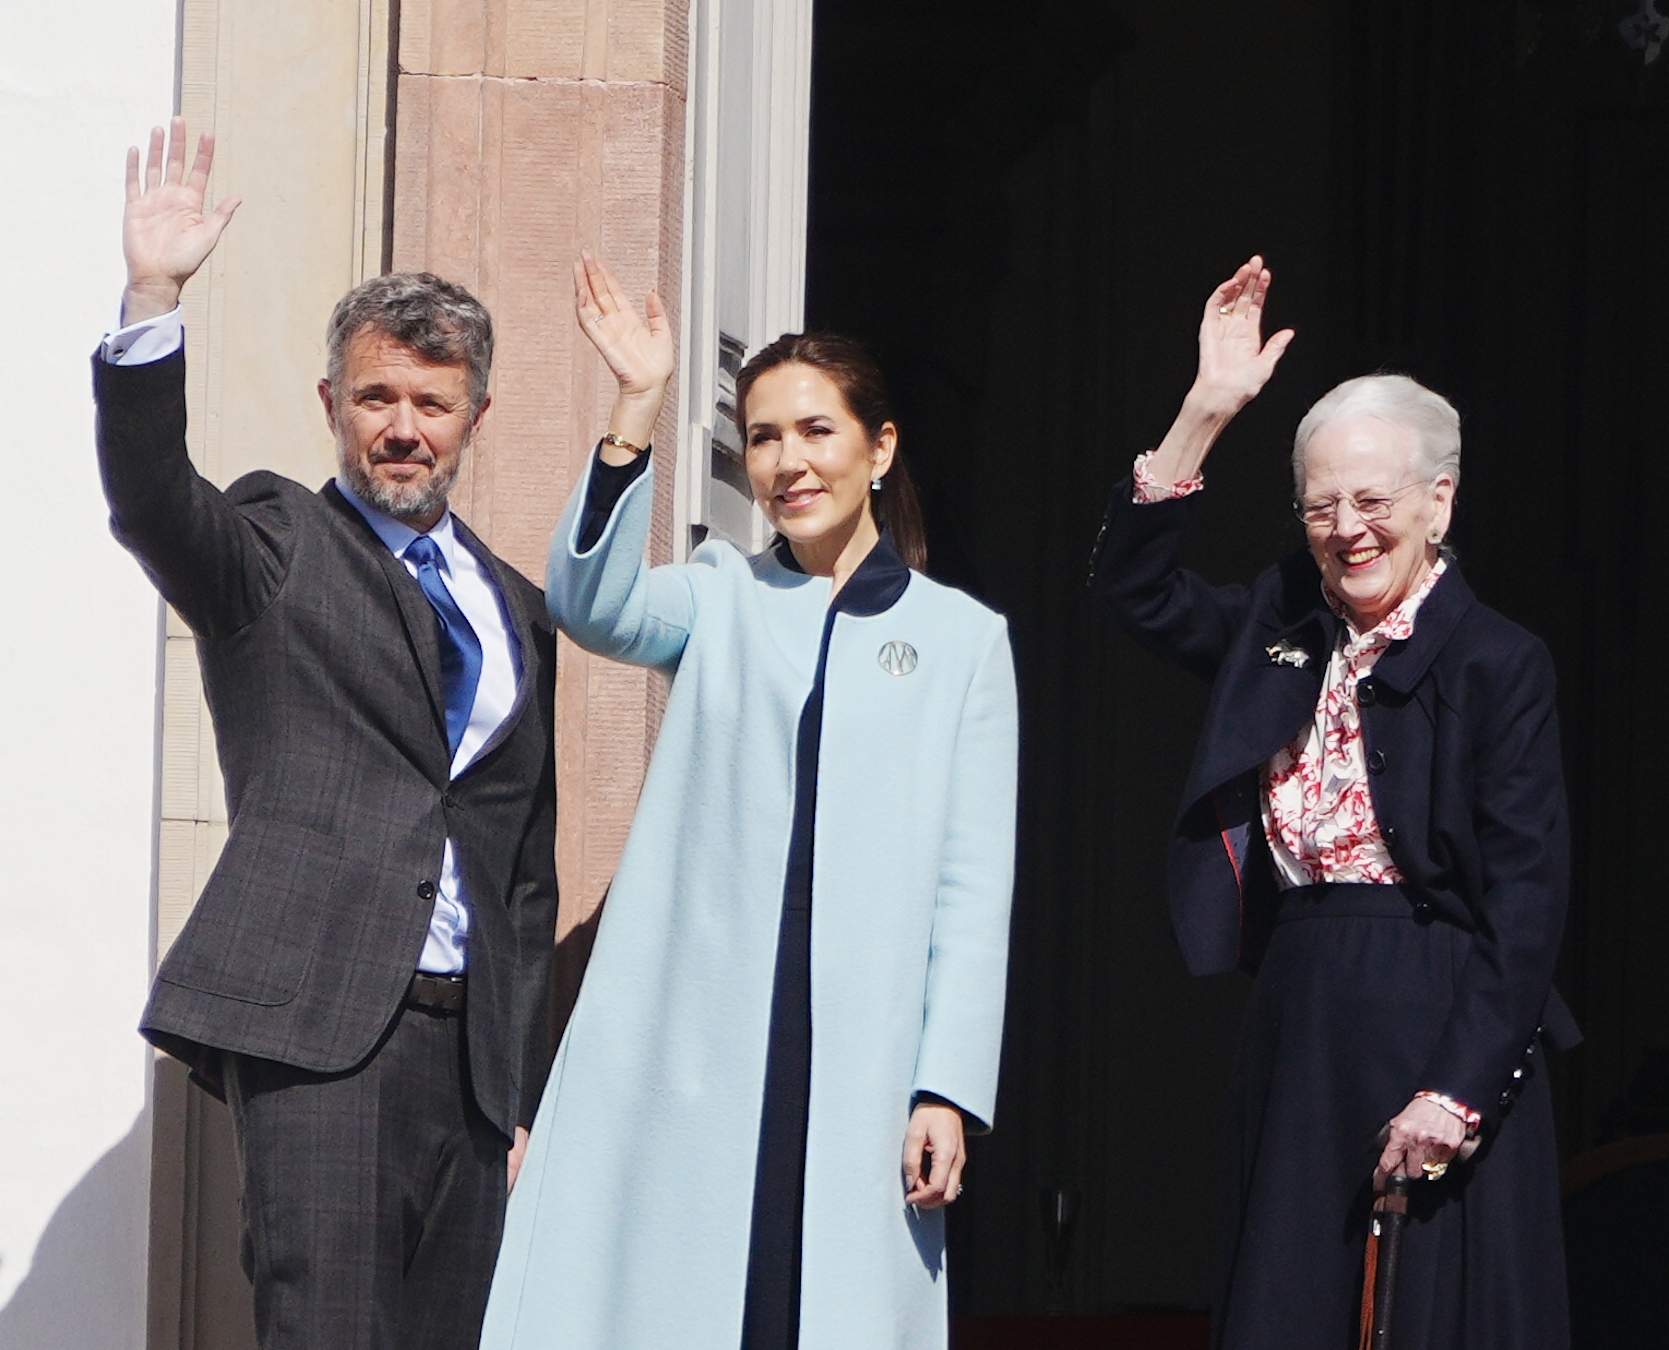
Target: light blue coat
x,y
628,1228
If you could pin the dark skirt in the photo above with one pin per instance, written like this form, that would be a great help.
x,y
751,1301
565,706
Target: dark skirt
x,y
1351,996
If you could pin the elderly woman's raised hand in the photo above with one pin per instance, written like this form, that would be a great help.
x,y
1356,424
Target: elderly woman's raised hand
x,y
639,351
1235,361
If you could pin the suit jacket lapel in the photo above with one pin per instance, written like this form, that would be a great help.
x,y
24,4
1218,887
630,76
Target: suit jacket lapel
x,y
525,655
415,611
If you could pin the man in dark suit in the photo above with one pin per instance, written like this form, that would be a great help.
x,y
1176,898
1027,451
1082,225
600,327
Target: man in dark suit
x,y
367,975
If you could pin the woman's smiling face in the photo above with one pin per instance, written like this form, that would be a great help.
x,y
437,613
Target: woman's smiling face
x,y
1372,565
809,460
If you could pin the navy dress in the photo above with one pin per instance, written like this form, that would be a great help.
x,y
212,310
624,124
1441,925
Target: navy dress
x,y
771,1320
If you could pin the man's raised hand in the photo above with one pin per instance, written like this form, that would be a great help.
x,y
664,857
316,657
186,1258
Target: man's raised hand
x,y
165,233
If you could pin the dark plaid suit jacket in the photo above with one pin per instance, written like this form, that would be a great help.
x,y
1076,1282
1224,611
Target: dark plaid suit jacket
x,y
321,666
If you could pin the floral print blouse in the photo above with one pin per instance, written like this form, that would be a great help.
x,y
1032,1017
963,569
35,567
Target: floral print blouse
x,y
1317,808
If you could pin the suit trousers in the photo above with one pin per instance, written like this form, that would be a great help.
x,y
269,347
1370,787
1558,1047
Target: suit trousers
x,y
373,1200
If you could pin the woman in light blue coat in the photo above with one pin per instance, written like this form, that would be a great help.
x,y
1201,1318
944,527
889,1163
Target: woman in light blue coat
x,y
793,1010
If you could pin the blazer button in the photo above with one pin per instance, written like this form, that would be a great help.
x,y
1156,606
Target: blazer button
x,y
1365,694
1376,761
1505,1099
425,890
1390,834
1422,911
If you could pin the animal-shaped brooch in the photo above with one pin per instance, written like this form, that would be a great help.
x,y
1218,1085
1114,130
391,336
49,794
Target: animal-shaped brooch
x,y
1288,653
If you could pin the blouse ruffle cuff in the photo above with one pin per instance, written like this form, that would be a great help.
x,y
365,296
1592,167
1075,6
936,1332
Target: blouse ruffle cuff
x,y
1455,1107
1145,489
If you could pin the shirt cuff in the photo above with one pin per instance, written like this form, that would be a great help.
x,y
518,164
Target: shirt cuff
x,y
608,484
1145,489
149,340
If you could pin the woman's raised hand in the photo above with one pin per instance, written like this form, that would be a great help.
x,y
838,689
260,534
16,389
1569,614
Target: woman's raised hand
x,y
638,351
166,235
1235,361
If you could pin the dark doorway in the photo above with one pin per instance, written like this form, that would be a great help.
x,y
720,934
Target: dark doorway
x,y
1023,208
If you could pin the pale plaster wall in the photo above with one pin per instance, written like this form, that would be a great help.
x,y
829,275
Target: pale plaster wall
x,y
78,679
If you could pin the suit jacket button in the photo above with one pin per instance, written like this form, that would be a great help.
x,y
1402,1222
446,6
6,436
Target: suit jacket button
x,y
1422,911
1505,1099
425,890
1376,761
1390,833
1365,694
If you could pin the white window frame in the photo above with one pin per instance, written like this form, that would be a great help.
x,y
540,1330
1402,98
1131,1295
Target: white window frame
x,y
748,144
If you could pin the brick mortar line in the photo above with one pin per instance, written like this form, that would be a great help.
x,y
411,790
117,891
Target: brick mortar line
x,y
540,79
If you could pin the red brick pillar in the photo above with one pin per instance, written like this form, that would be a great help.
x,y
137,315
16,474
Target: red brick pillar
x,y
527,129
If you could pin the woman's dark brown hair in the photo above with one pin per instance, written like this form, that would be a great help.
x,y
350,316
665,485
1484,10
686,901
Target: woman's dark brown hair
x,y
855,373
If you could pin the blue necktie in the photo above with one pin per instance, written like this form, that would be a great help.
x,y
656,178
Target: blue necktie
x,y
460,649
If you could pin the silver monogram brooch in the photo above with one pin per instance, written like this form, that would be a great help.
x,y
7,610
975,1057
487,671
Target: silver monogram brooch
x,y
897,658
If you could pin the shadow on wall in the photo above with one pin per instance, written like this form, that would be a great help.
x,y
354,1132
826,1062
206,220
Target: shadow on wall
x,y
200,1298
83,1288
197,1297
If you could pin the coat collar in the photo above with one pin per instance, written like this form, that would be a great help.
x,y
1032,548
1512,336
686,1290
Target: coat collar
x,y
874,586
1405,663
1310,624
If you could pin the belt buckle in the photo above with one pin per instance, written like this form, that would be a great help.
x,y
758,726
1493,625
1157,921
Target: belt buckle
x,y
439,993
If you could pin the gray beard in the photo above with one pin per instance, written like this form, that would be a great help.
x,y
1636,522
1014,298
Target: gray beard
x,y
405,502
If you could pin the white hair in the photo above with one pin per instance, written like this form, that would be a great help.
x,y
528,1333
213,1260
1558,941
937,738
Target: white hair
x,y
1395,399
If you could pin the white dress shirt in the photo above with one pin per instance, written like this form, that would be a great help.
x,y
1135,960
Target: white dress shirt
x,y
476,592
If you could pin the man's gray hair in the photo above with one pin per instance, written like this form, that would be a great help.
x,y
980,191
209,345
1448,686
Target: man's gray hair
x,y
436,318
1396,399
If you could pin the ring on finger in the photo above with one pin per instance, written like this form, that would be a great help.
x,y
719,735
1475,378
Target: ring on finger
x,y
1434,1170
1225,309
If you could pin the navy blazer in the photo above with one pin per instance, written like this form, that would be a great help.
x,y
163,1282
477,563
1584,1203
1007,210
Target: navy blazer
x,y
1462,748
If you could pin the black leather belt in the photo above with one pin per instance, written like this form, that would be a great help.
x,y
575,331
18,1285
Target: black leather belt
x,y
437,993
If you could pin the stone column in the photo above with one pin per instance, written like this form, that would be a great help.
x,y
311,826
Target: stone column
x,y
526,130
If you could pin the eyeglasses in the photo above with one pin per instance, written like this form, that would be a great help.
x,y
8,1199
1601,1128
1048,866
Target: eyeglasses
x,y
1366,505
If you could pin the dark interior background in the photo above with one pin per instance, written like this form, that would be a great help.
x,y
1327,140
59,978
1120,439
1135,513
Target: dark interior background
x,y
1023,208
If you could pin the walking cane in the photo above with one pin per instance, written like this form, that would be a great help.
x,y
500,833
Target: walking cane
x,y
1379,1263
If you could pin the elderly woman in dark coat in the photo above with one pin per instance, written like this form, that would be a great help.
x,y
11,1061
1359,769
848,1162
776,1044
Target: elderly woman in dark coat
x,y
1374,822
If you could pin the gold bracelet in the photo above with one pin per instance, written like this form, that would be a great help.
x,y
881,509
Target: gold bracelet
x,y
621,443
